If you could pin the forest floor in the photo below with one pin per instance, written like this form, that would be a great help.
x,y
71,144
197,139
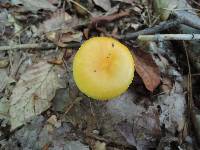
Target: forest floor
x,y
41,107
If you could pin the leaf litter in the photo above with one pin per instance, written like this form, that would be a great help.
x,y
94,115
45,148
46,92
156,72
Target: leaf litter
x,y
40,104
33,93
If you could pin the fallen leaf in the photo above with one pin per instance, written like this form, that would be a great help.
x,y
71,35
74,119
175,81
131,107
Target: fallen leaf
x,y
57,60
123,107
4,108
147,69
62,37
60,28
144,131
58,20
139,126
36,136
33,93
173,107
167,85
4,79
105,4
35,5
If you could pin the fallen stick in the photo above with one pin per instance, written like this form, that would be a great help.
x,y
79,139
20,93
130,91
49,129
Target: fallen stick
x,y
156,29
95,21
42,46
161,37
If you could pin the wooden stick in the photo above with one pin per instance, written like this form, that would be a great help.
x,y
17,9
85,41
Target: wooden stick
x,y
161,37
42,46
156,29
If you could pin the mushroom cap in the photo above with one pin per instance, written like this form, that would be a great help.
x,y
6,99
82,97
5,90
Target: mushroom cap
x,y
103,68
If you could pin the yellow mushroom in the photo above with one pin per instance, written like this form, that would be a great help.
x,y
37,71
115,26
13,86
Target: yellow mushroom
x,y
103,68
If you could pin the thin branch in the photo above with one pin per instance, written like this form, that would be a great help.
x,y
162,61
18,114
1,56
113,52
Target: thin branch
x,y
42,46
95,21
108,142
188,18
189,86
161,37
156,29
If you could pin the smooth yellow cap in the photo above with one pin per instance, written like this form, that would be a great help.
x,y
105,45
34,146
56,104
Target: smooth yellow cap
x,y
103,68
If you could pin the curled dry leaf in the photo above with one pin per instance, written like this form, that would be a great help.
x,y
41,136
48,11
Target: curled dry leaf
x,y
33,93
147,69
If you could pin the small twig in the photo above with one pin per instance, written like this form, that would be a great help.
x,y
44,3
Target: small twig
x,y
189,86
42,46
108,142
195,3
110,18
78,99
195,74
95,21
160,37
156,29
188,18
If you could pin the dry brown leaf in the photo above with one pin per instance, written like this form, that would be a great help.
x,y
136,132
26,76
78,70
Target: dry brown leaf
x,y
147,69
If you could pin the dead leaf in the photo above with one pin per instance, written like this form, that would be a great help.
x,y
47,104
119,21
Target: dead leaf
x,y
4,108
60,28
61,38
36,136
4,79
144,131
173,108
35,5
58,60
167,85
147,69
105,4
59,19
55,62
33,93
